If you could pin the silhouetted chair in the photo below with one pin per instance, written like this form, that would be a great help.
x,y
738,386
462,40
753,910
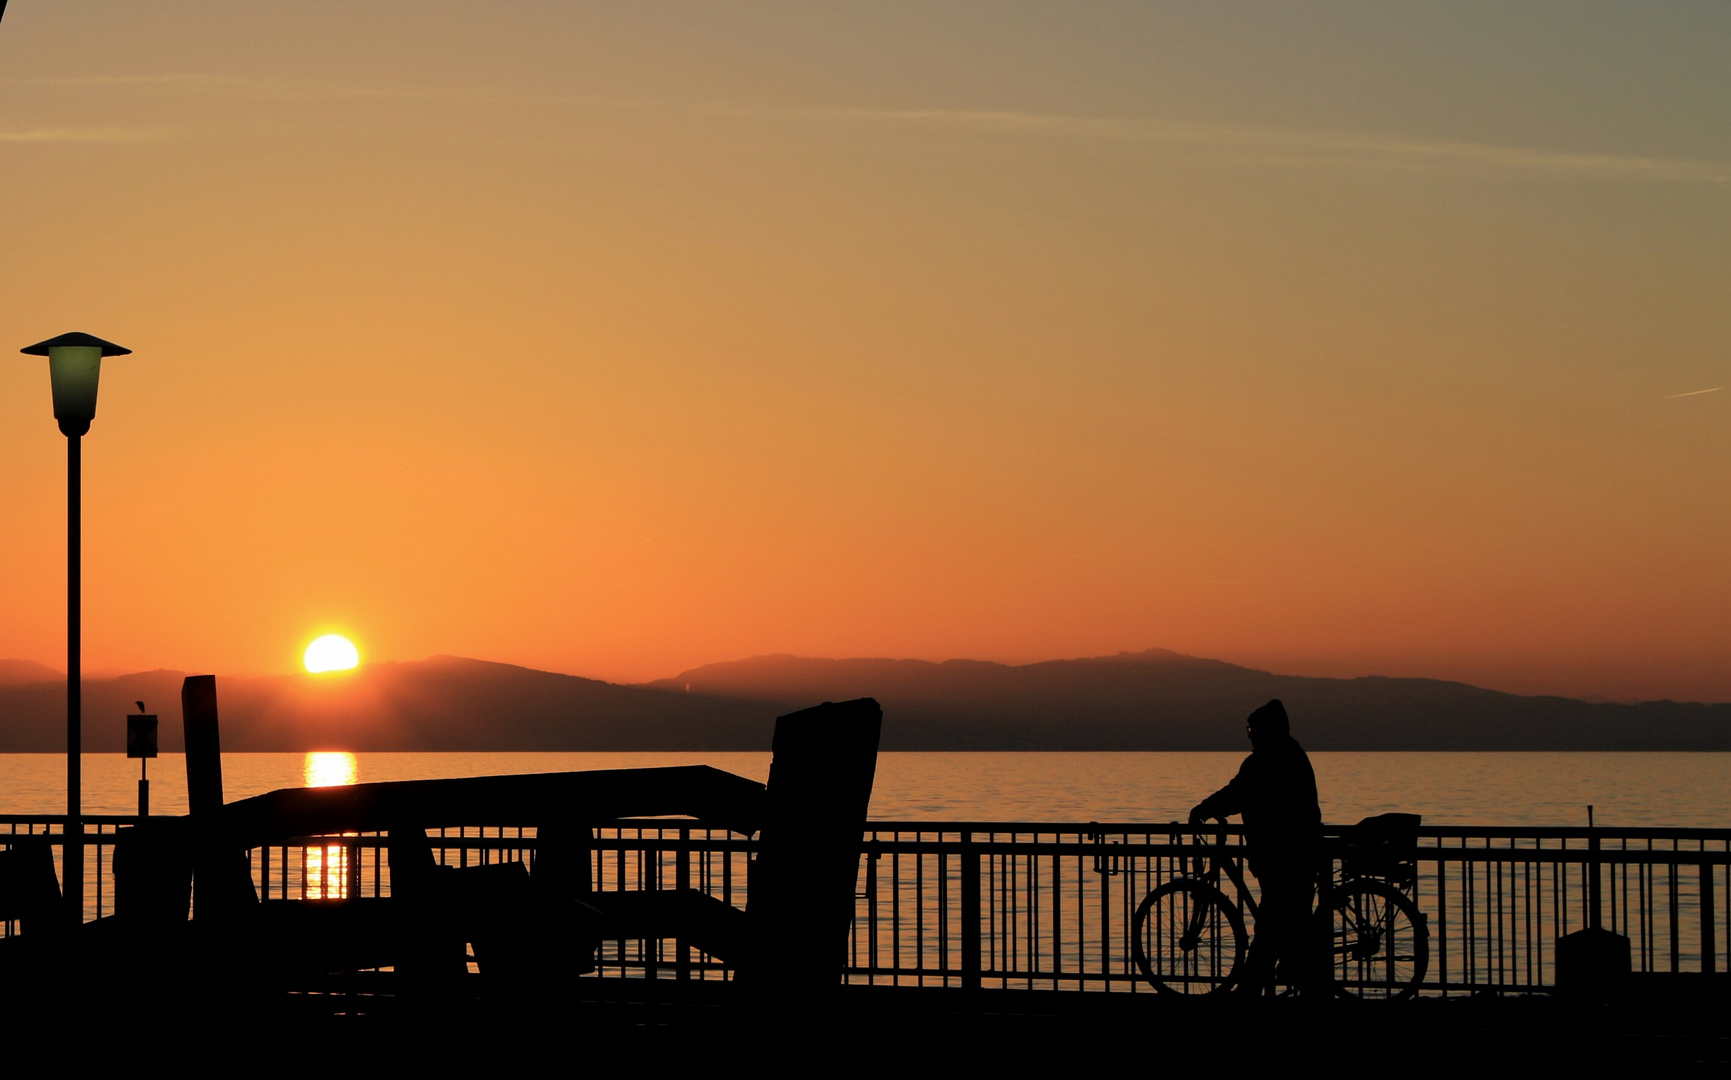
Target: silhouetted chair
x,y
29,889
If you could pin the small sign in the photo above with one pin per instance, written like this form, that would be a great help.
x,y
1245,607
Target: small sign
x,y
141,736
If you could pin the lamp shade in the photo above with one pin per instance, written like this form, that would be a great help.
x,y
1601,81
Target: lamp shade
x,y
74,369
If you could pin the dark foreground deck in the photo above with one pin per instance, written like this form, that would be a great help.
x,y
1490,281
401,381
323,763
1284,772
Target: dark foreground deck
x,y
927,1030
975,944
616,1026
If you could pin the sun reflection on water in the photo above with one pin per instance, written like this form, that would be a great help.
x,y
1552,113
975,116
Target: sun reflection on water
x,y
326,871
329,768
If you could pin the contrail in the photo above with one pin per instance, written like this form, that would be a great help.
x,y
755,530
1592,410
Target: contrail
x,y
86,135
1280,145
1692,393
1273,145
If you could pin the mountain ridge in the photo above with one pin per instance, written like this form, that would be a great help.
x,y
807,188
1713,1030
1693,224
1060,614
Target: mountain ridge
x,y
1159,699
1155,699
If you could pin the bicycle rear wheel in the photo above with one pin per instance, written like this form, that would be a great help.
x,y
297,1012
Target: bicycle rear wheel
x,y
1187,939
1380,940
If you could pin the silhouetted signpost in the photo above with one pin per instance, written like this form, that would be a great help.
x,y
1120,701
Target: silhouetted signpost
x,y
141,744
74,367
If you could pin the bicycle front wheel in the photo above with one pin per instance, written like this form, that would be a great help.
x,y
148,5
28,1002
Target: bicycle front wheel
x,y
1187,939
1381,941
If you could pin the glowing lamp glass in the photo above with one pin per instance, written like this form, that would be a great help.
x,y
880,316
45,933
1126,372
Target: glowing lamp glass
x,y
74,371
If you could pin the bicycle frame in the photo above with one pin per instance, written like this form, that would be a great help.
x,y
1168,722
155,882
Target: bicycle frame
x,y
1367,926
1217,861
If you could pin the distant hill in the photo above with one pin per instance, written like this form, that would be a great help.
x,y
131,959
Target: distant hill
x,y
25,672
1154,700
1162,700
444,703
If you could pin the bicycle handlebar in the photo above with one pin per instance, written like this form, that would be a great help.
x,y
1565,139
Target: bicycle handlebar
x,y
1199,835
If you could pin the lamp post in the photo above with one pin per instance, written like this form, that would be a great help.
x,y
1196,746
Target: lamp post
x,y
74,366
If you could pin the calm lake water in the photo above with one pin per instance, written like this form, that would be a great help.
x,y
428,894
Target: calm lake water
x,y
1448,789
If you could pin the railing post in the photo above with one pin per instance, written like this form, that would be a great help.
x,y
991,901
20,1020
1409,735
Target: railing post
x,y
1709,925
871,900
682,882
1594,900
970,913
649,880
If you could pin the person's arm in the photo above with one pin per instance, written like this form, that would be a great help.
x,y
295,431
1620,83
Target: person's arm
x,y
1224,803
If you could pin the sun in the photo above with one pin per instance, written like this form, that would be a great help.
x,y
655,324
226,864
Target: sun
x,y
333,652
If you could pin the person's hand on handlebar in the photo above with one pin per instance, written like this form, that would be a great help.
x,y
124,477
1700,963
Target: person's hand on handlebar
x,y
1198,815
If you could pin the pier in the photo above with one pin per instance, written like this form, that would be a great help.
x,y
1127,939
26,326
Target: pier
x,y
675,905
1008,941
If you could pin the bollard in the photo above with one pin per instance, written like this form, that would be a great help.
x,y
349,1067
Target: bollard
x,y
1592,964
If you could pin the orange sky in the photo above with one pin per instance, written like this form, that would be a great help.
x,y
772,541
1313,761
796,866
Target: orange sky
x,y
619,339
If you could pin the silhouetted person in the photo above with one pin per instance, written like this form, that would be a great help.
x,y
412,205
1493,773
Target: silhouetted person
x,y
1275,790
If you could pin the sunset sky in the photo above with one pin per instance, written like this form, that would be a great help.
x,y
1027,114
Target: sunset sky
x,y
615,339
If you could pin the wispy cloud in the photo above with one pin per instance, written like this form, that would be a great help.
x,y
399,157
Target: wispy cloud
x,y
1297,144
304,90
186,80
1271,145
1694,393
88,135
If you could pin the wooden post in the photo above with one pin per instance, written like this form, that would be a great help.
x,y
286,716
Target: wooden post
x,y
802,884
203,745
222,879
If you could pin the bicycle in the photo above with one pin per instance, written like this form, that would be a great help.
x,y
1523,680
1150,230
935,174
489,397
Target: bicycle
x,y
1188,938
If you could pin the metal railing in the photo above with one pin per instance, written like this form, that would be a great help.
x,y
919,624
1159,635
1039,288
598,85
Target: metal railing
x,y
1049,905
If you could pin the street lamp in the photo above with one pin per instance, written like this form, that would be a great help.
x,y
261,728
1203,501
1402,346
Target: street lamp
x,y
74,366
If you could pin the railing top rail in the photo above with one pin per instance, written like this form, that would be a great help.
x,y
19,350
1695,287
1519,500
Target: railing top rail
x,y
60,819
1493,832
983,829
1572,832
